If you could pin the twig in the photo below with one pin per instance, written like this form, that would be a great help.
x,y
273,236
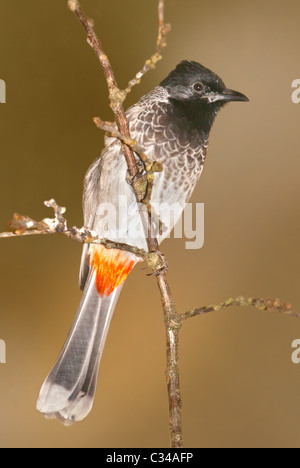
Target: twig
x,y
267,304
25,226
163,30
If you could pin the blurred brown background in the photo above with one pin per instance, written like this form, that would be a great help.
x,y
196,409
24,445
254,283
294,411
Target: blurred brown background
x,y
239,385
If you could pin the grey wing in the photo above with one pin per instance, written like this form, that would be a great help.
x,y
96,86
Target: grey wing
x,y
105,183
100,186
91,183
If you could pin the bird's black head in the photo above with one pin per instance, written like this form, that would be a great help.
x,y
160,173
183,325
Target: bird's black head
x,y
198,93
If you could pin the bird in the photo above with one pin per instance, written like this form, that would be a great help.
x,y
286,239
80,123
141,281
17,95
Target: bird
x,y
172,124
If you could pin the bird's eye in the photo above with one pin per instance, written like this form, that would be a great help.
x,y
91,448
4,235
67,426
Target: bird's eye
x,y
198,87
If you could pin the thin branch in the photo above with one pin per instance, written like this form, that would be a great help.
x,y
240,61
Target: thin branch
x,y
266,304
24,226
163,30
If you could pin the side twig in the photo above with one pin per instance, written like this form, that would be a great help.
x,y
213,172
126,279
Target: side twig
x,y
268,305
163,30
25,226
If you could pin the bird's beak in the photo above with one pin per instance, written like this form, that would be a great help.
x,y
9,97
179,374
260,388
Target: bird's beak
x,y
230,95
